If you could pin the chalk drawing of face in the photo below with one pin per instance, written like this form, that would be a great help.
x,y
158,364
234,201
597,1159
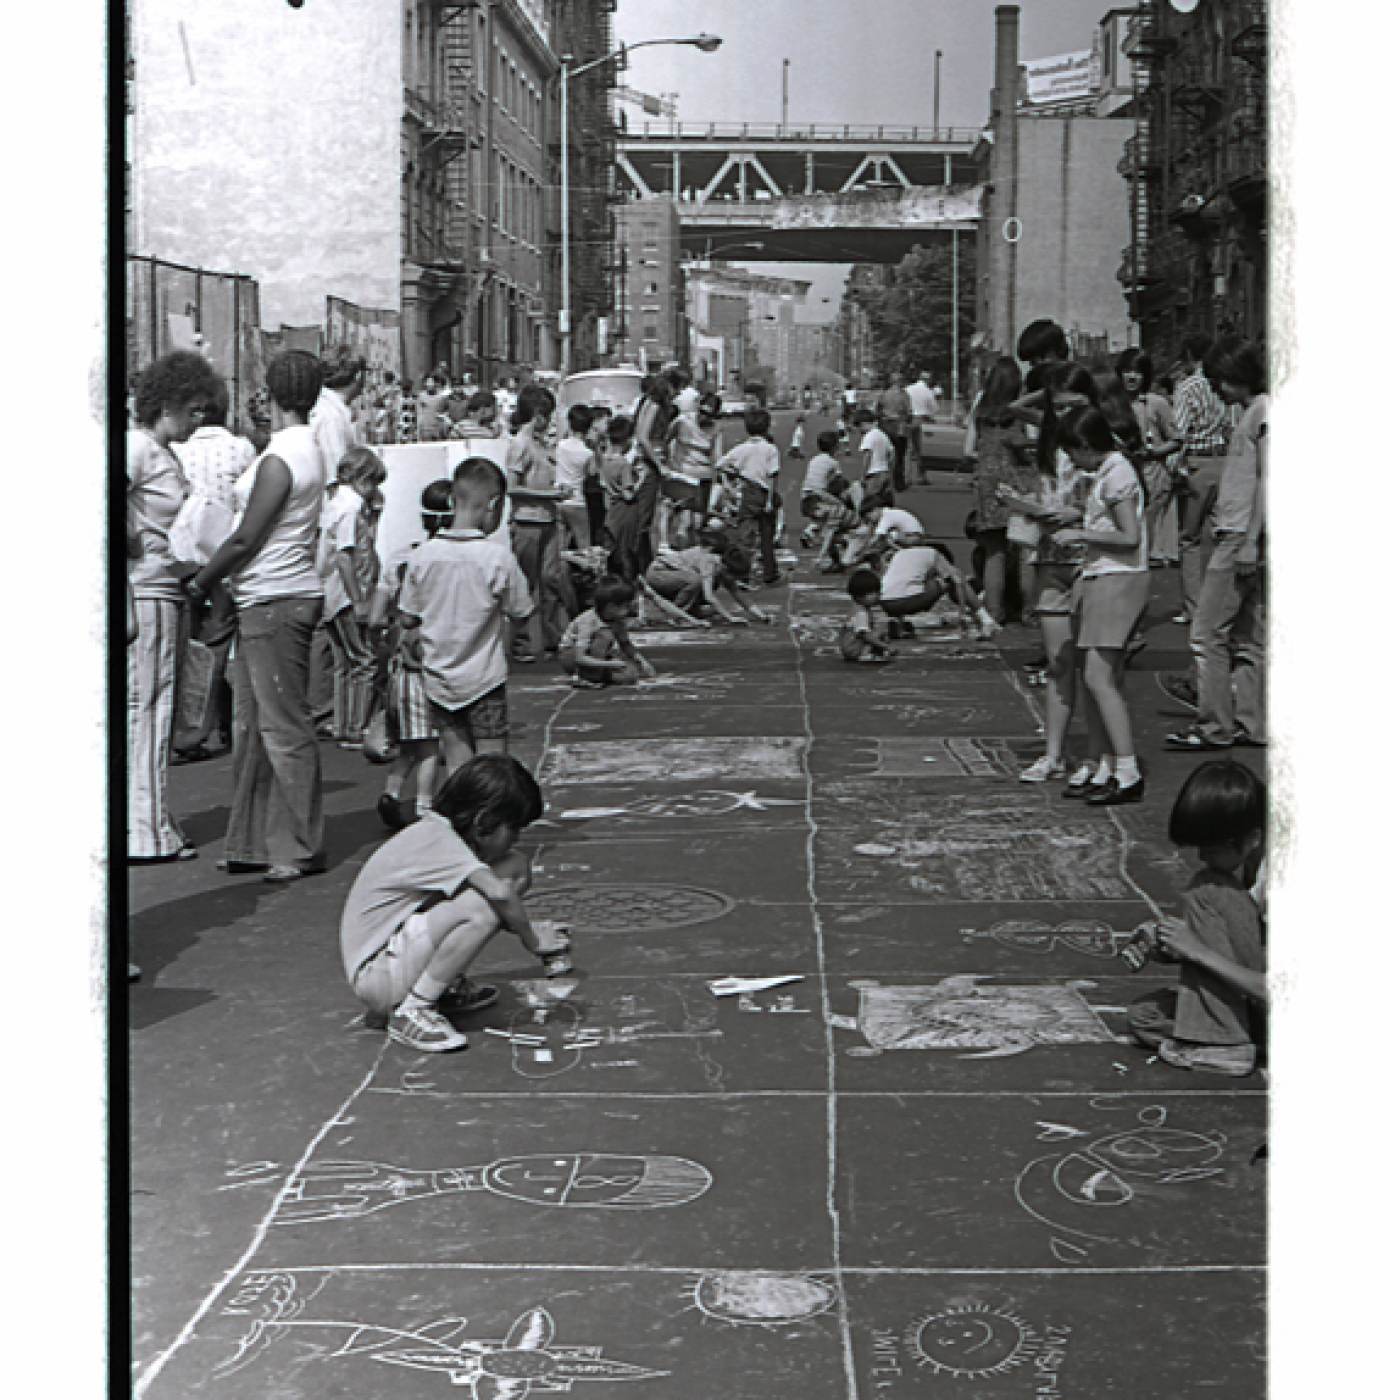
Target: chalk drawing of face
x,y
1159,1154
763,1299
971,1341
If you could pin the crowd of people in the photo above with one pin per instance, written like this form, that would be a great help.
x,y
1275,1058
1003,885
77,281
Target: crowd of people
x,y
257,559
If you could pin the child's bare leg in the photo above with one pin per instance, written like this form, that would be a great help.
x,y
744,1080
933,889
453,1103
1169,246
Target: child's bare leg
x,y
1056,632
455,749
425,773
458,929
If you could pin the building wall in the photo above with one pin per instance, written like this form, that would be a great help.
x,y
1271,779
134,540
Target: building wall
x,y
1075,221
653,310
265,141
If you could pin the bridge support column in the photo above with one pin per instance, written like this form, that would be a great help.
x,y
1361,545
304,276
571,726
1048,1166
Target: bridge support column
x,y
811,174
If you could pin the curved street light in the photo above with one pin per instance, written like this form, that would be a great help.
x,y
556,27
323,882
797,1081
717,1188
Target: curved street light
x,y
706,43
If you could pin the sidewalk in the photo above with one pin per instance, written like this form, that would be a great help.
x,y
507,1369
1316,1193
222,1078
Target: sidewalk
x,y
929,1166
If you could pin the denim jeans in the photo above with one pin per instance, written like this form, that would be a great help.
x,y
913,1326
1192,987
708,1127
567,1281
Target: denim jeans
x,y
757,523
1227,642
276,809
1197,516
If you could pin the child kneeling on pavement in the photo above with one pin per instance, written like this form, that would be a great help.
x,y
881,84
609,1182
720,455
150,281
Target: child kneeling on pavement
x,y
430,899
596,648
918,576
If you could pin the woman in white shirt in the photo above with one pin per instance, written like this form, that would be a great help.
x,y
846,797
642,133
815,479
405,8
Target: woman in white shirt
x,y
170,397
1111,595
275,822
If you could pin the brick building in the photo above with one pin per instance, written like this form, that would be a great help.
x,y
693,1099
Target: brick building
x,y
651,308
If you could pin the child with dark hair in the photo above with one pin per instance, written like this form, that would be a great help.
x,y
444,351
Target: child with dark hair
x,y
918,576
430,899
876,453
620,475
460,591
349,566
1160,445
410,714
573,462
1213,1020
865,634
755,464
1040,341
694,577
824,501
694,445
596,648
479,420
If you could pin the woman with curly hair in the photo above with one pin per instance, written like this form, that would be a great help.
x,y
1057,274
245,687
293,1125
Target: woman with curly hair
x,y
275,825
169,401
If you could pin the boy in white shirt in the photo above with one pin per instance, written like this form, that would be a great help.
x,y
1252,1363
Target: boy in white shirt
x,y
918,576
458,592
756,464
876,459
573,460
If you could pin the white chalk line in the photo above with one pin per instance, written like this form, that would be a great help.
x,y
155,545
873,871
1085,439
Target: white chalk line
x,y
832,1204
530,1095
691,1270
145,1380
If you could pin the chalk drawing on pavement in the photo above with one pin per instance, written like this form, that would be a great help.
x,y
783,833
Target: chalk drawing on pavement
x,y
593,909
329,1191
979,847
1086,936
710,802
754,1298
961,1013
971,1341
1083,1192
526,1359
703,759
935,757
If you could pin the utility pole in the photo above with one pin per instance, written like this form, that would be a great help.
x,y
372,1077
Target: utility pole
x,y
937,82
953,383
787,63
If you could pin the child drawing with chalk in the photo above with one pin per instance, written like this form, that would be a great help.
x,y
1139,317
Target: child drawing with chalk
x,y
865,634
430,899
597,649
1213,1021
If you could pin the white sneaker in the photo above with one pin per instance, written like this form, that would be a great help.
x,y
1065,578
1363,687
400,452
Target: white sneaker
x,y
1043,770
424,1028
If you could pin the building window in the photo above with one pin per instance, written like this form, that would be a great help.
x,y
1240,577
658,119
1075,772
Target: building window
x,y
649,330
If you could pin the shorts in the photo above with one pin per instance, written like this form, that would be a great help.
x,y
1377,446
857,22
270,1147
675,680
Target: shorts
x,y
688,495
485,718
1054,589
388,977
1108,606
409,707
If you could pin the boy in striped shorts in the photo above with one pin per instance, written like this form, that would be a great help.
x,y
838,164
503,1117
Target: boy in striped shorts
x,y
410,716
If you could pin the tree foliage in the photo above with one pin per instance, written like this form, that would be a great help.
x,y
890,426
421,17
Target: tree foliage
x,y
911,318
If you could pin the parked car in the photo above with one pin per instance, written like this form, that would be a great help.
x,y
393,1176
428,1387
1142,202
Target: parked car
x,y
617,390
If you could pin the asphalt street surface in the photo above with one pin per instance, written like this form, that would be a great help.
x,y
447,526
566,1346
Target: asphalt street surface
x,y
928,1166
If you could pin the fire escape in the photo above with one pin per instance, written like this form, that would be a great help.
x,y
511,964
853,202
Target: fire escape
x,y
1143,165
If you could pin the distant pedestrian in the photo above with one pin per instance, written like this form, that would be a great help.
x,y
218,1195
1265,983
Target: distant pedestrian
x,y
876,460
460,592
430,899
620,474
896,414
432,410
923,407
170,399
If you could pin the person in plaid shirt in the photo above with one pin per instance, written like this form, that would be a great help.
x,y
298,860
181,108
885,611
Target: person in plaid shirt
x,y
1202,426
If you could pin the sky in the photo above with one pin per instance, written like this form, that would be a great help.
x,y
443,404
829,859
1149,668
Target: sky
x,y
853,61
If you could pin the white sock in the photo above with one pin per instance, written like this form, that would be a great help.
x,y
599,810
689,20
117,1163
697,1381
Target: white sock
x,y
1126,770
1103,772
1083,775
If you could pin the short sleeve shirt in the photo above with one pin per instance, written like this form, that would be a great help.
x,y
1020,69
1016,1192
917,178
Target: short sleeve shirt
x,y
910,570
892,518
529,464
463,587
1114,482
696,449
155,490
572,458
333,425
822,472
881,450
755,460
340,519
583,631
420,866
1239,507
1220,912
213,459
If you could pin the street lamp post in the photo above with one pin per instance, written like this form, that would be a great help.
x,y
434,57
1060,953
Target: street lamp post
x,y
706,43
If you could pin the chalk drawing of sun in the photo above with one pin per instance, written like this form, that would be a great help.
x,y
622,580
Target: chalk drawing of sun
x,y
970,1341
756,1299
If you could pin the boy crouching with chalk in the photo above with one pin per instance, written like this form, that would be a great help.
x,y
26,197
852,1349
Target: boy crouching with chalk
x,y
430,899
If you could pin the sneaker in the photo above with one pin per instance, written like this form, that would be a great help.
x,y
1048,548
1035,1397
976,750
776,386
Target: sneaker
x,y
1181,690
1043,770
1216,1059
465,996
1180,619
424,1028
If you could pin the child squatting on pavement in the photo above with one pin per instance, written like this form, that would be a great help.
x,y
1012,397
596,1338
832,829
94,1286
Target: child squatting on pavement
x,y
432,897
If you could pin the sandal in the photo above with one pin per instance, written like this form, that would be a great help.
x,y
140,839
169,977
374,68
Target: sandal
x,y
1193,741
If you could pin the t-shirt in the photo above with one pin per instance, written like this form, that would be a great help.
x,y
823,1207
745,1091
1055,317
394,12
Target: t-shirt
x,y
463,586
892,518
894,408
756,460
923,402
343,526
213,459
695,449
619,472
334,427
285,566
1114,481
155,490
910,569
1220,912
431,407
881,450
426,861
529,464
572,459
1239,507
585,631
823,473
